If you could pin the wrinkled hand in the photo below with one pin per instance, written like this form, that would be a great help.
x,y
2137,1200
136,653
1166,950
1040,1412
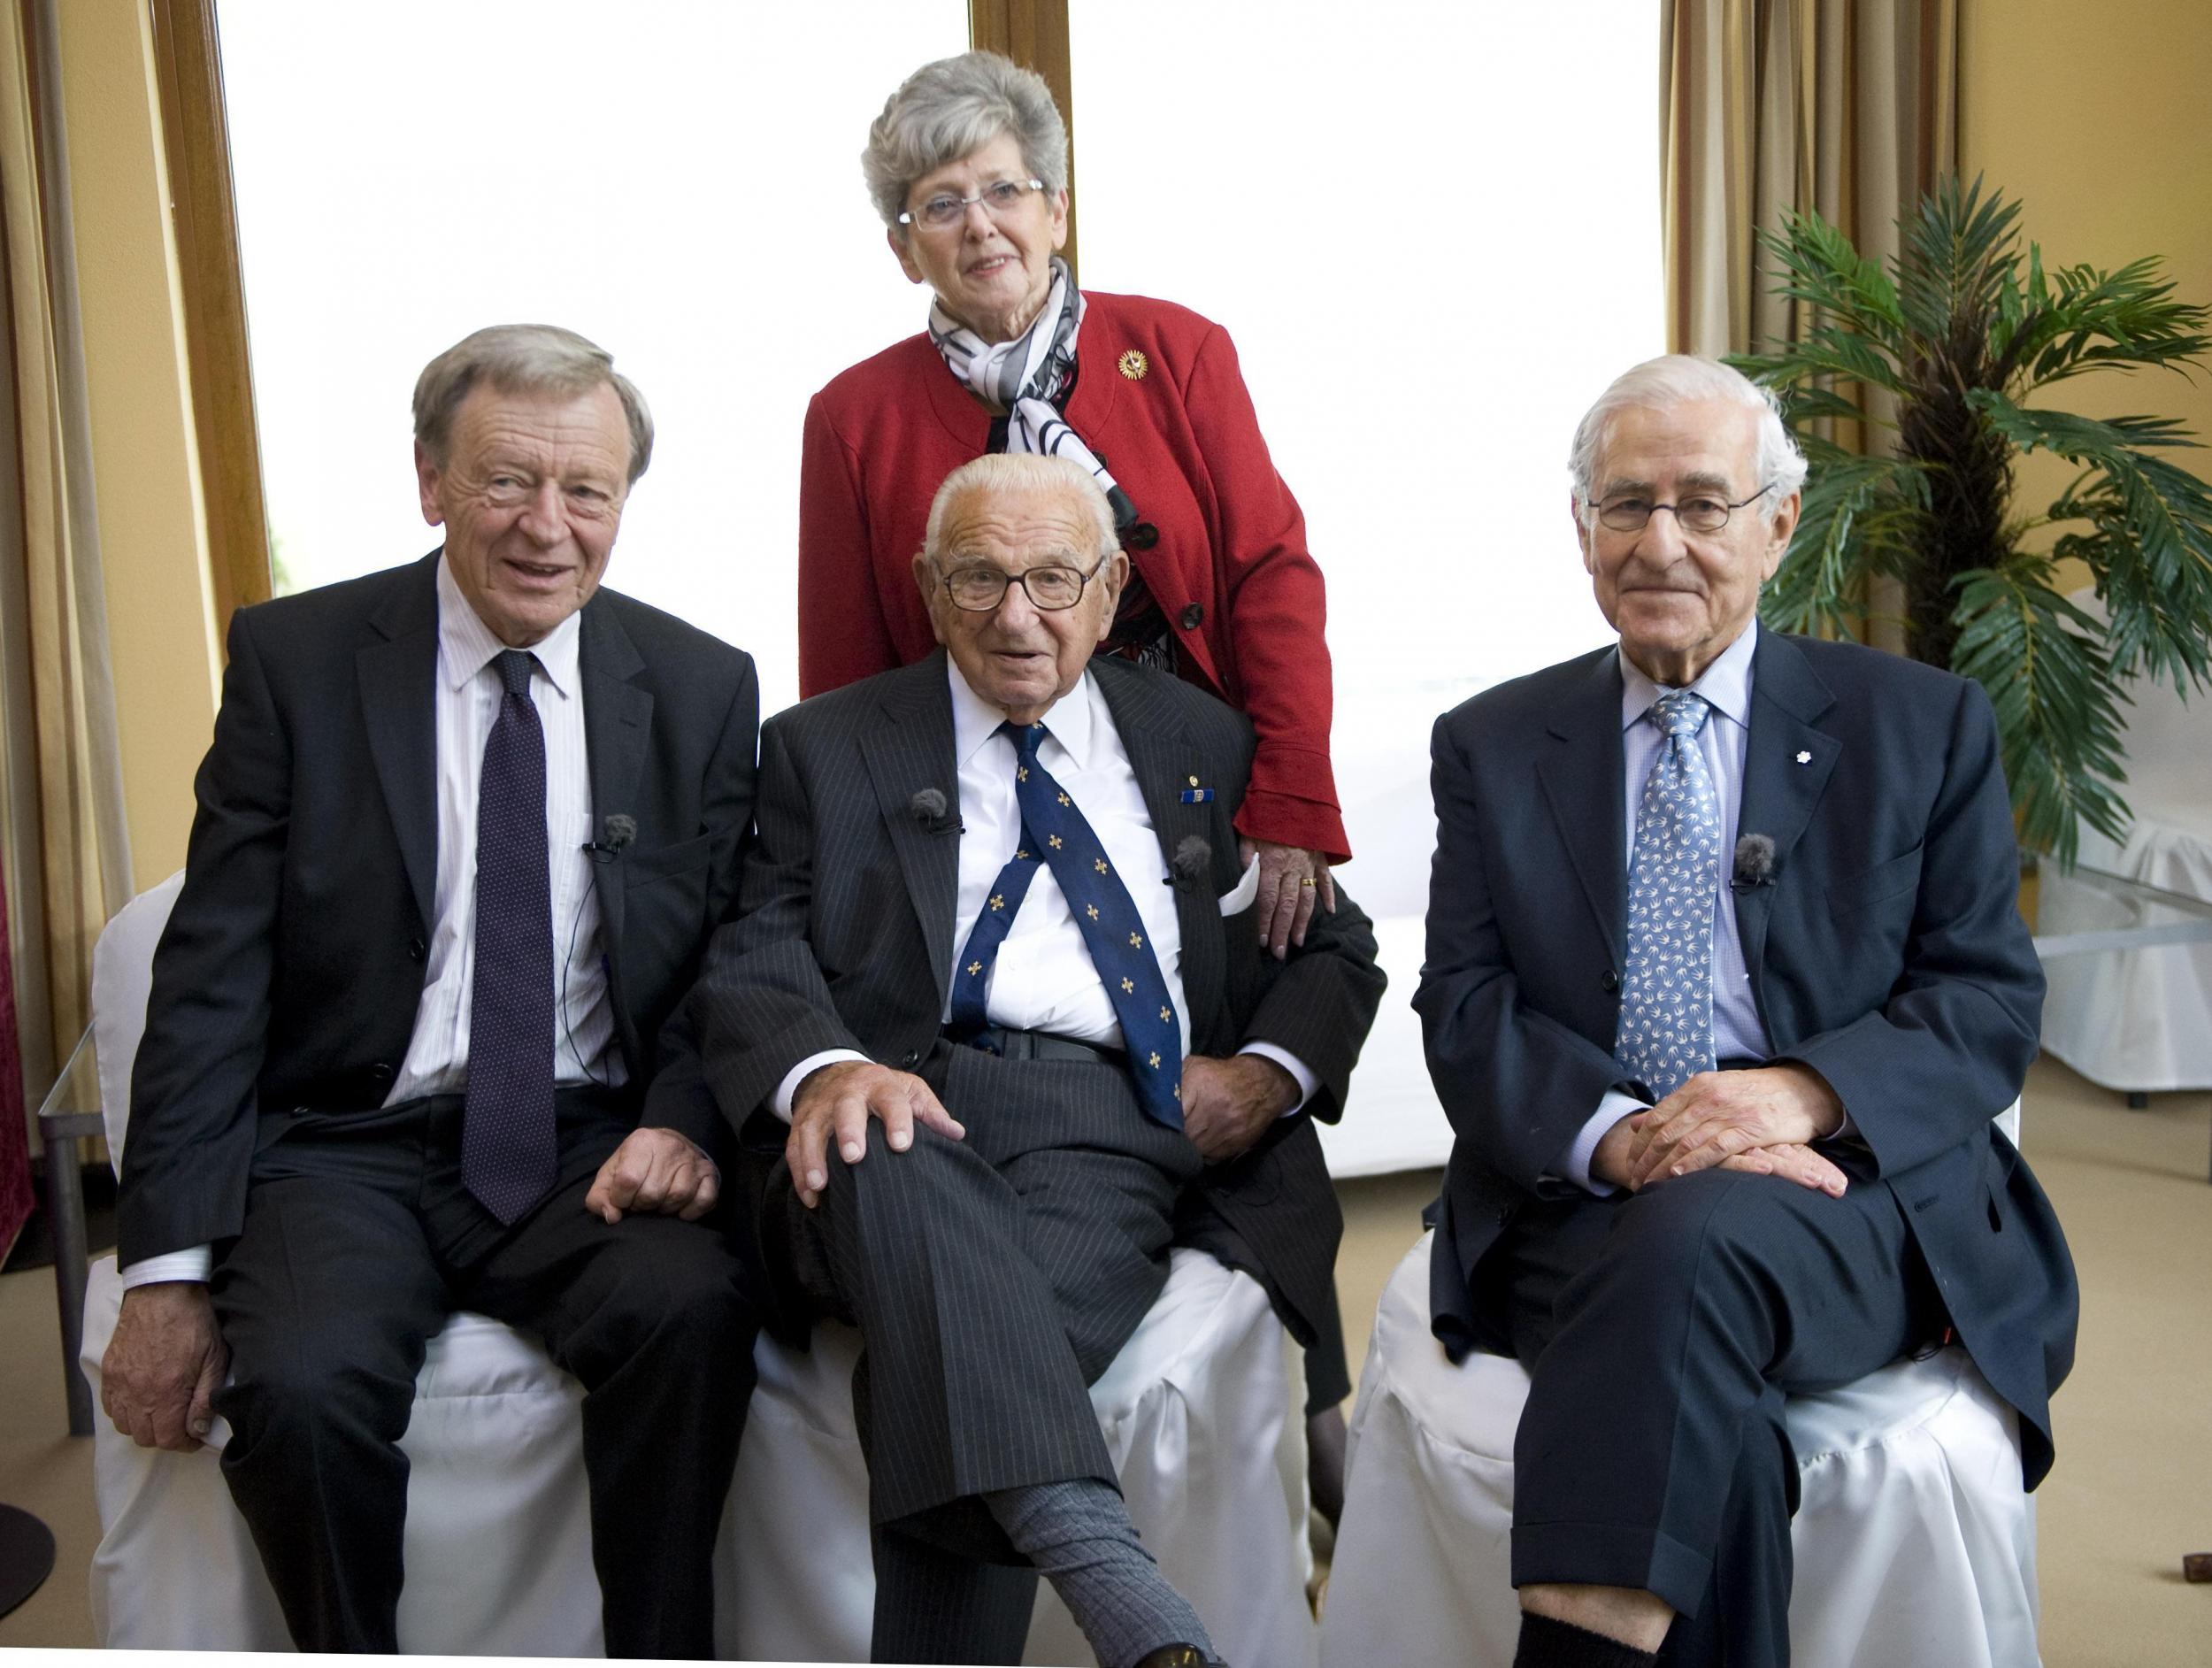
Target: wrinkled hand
x,y
164,1364
654,1172
1718,1118
839,1100
1228,1104
1285,904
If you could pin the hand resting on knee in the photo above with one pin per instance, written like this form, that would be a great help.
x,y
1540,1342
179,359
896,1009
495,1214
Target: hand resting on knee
x,y
838,1100
164,1364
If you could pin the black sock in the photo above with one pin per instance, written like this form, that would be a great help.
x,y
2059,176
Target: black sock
x,y
1549,1643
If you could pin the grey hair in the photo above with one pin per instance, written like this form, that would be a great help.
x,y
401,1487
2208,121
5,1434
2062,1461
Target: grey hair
x,y
524,359
1024,474
945,109
1670,379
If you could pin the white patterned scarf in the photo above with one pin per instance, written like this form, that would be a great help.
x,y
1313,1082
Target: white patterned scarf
x,y
1026,381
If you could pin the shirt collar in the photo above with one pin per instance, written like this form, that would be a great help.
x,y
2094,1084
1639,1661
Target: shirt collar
x,y
975,720
466,645
1726,685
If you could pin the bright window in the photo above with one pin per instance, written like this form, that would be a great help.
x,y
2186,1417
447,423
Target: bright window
x,y
678,182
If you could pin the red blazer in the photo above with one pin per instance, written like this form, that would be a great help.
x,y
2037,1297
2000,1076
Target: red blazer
x,y
1160,399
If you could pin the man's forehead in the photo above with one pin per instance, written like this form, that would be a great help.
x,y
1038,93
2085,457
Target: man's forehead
x,y
1699,441
1016,527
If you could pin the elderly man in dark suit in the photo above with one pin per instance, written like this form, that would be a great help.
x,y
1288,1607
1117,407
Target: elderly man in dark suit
x,y
995,970
1725,984
463,830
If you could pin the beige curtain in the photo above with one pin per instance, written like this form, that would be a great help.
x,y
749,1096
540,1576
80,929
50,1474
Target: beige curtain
x,y
1849,107
66,845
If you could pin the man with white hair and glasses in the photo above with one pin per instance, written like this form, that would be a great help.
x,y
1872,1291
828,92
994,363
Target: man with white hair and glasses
x,y
1726,981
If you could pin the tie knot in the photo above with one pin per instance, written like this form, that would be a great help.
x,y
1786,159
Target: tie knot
x,y
515,667
1025,737
1680,713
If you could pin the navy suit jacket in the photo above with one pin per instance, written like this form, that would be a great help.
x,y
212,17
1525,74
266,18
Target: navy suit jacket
x,y
1887,951
293,962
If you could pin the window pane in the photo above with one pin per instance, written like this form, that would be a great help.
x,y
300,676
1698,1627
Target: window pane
x,y
678,182
1433,231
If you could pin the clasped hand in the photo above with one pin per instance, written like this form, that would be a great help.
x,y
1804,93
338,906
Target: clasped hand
x,y
1760,1121
1228,1104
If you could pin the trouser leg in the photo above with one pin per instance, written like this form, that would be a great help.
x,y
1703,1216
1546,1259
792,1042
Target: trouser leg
x,y
327,1301
934,1605
655,1318
1656,1328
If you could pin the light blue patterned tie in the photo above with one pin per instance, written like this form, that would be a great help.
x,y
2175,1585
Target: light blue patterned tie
x,y
1666,1034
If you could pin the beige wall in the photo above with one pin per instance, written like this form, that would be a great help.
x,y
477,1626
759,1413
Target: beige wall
x,y
2092,117
153,544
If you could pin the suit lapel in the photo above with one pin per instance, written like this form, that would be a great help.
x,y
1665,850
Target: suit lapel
x,y
1580,772
618,722
396,676
1787,762
1167,761
913,752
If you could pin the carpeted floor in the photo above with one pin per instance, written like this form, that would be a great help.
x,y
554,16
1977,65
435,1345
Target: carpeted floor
x,y
2133,1491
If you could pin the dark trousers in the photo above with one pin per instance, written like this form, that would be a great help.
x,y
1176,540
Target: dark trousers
x,y
992,1279
359,1242
1661,1331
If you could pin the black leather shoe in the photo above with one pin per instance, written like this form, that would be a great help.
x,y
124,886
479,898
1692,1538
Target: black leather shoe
x,y
1180,1657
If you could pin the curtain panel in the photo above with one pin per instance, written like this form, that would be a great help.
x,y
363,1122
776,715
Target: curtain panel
x,y
65,845
1849,107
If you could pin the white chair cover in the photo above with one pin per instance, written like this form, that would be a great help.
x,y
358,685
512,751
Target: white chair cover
x,y
1201,1422
1197,1408
1915,1543
2140,1020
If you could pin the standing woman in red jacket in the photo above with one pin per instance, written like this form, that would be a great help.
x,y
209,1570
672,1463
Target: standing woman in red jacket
x,y
967,166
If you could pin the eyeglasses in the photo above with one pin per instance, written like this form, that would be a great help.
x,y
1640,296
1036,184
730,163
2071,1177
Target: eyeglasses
x,y
1700,514
979,587
943,210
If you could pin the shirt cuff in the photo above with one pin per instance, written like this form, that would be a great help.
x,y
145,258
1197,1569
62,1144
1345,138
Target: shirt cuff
x,y
1574,1164
1297,1068
196,1262
798,1074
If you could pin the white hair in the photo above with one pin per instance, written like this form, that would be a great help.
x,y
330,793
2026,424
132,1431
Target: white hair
x,y
1024,474
1671,380
946,110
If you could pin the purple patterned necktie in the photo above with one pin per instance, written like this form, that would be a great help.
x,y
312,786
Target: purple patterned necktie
x,y
507,1121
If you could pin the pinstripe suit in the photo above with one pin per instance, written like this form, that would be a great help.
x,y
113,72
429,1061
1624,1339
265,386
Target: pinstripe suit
x,y
994,1278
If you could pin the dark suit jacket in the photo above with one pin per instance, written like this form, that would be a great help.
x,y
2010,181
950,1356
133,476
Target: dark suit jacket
x,y
845,935
1887,953
293,962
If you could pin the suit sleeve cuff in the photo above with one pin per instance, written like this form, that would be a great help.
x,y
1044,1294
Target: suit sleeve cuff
x,y
1574,1164
196,1262
799,1073
1297,1068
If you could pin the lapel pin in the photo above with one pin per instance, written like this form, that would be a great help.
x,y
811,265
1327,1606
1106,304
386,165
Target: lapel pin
x,y
1804,758
1135,364
1194,795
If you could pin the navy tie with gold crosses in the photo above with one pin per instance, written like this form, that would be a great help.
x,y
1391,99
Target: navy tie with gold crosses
x,y
1055,830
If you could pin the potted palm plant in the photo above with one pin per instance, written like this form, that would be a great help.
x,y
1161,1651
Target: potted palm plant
x,y
1943,360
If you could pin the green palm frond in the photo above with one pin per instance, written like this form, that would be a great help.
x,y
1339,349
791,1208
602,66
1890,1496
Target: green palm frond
x,y
2058,712
1960,332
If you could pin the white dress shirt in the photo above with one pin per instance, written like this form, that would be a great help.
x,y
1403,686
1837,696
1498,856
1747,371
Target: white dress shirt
x,y
466,701
1737,1030
1043,979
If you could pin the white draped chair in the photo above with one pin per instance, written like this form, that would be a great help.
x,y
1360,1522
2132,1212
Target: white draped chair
x,y
1914,1541
1198,1411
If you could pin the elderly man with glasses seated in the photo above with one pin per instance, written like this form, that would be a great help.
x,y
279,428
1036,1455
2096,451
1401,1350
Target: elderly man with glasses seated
x,y
996,973
1725,980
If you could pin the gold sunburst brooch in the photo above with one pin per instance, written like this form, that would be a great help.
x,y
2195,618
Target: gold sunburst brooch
x,y
1135,364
